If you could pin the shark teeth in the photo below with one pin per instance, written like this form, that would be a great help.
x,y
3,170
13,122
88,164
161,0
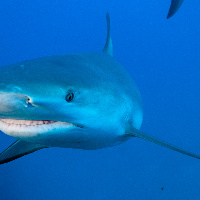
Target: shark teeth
x,y
32,128
10,122
30,123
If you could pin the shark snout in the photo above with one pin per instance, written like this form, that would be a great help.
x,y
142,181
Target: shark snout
x,y
13,101
22,106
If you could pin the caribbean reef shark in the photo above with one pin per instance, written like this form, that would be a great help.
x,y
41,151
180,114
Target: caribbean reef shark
x,y
175,5
82,101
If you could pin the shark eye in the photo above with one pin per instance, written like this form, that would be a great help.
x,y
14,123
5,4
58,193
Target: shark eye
x,y
69,96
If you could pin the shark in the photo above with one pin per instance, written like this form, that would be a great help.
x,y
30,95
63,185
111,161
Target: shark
x,y
175,5
82,101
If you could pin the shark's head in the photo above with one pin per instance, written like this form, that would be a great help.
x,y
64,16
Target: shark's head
x,y
68,101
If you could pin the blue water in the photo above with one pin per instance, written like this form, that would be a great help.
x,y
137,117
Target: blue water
x,y
162,56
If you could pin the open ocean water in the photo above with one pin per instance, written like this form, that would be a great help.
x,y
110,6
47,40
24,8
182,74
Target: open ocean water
x,y
162,56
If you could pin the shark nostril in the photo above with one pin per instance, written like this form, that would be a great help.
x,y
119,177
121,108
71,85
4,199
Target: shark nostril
x,y
28,102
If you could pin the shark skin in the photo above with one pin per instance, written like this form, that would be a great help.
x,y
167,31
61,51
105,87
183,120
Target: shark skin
x,y
175,5
82,101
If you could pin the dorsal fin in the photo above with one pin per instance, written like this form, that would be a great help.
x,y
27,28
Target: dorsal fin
x,y
108,48
175,5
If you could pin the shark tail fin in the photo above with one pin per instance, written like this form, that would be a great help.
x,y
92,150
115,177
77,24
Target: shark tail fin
x,y
175,5
136,133
108,48
18,149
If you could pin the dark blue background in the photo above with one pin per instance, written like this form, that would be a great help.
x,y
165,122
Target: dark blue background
x,y
163,57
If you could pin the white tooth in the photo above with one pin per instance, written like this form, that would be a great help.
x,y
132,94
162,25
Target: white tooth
x,y
40,122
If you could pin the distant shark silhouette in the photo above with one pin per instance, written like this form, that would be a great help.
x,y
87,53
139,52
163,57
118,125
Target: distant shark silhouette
x,y
82,101
175,5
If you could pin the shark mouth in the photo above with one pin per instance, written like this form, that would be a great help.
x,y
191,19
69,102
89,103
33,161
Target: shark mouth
x,y
11,122
30,123
30,128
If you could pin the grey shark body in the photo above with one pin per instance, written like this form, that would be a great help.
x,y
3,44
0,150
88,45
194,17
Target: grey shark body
x,y
82,101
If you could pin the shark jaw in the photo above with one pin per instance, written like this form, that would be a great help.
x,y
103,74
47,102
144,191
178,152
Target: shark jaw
x,y
32,128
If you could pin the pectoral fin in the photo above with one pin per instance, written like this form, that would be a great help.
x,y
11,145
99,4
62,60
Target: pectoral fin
x,y
175,5
18,149
136,133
